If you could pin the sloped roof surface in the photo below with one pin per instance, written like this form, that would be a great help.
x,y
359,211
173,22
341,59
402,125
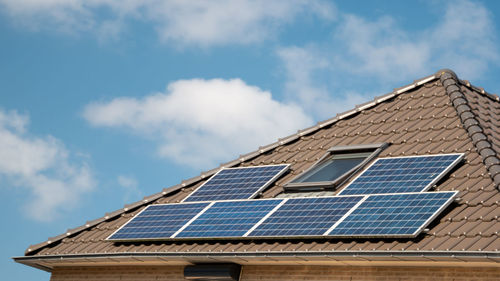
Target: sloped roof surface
x,y
427,118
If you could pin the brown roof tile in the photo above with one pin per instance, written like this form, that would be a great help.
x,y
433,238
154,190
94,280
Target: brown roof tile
x,y
494,245
428,117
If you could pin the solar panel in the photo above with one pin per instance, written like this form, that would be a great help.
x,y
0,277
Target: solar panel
x,y
402,174
229,218
158,221
237,183
398,215
305,216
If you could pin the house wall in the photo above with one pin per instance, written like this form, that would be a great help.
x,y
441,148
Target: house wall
x,y
351,273
276,272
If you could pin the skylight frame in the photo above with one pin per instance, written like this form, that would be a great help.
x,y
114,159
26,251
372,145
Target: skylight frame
x,y
374,149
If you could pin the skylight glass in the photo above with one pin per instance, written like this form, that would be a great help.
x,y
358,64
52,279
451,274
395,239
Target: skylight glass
x,y
333,167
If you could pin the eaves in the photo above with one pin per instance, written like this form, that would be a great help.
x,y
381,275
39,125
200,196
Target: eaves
x,y
360,258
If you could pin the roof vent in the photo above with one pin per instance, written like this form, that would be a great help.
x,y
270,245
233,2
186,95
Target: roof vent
x,y
217,271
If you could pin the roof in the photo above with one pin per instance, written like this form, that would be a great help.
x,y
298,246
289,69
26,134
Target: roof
x,y
437,114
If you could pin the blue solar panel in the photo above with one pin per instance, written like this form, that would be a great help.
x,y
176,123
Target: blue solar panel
x,y
399,215
158,221
237,183
229,219
402,174
305,216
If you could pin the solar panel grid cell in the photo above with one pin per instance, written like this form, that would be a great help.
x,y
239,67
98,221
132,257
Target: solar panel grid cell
x,y
158,221
236,183
393,214
401,174
305,216
229,219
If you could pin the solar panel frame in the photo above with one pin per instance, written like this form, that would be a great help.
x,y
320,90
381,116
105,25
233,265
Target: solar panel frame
x,y
315,221
460,157
203,207
283,170
418,230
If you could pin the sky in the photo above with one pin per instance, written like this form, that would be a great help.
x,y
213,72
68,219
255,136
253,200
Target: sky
x,y
103,102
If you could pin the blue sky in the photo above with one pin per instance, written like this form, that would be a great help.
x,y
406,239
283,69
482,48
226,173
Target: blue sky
x,y
103,102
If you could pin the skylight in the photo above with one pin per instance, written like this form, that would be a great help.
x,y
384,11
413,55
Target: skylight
x,y
335,167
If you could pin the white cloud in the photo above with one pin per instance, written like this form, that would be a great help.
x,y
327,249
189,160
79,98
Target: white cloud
x,y
376,53
127,181
131,189
220,22
64,15
380,48
195,22
302,87
464,40
41,165
202,122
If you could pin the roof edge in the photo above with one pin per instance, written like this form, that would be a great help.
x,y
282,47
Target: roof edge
x,y
245,157
429,256
470,123
468,84
274,253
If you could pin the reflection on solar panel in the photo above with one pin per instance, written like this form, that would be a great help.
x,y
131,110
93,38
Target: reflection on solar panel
x,y
305,216
400,215
402,174
158,221
229,219
237,183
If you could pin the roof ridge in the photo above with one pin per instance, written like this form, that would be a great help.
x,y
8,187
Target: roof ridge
x,y
483,146
480,90
242,158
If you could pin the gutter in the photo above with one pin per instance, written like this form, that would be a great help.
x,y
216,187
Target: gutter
x,y
427,256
